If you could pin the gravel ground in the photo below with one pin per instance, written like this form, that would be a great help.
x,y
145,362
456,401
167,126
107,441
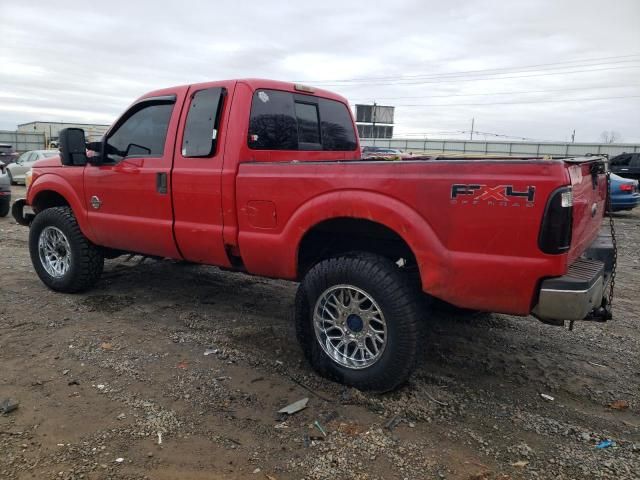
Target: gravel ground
x,y
114,383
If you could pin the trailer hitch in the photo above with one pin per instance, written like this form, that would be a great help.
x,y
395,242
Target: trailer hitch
x,y
600,314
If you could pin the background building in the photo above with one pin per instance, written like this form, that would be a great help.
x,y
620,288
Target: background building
x,y
51,130
374,121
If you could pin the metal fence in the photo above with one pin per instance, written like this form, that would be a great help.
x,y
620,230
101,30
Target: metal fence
x,y
23,141
501,148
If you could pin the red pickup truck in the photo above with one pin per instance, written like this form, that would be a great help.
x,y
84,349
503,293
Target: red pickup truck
x,y
266,177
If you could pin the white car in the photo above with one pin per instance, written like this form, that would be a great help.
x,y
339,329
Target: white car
x,y
24,162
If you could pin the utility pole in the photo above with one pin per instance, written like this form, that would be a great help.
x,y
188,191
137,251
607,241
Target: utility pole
x,y
472,122
573,136
373,121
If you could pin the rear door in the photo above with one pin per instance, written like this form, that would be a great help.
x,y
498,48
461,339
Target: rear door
x,y
128,197
634,167
621,164
22,165
196,176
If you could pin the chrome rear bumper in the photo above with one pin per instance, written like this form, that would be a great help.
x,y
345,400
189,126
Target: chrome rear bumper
x,y
579,293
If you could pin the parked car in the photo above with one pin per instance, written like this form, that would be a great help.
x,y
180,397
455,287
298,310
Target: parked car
x,y
5,191
394,153
266,178
7,153
625,194
25,161
626,165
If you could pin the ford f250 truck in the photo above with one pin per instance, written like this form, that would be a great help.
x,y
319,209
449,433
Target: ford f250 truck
x,y
265,177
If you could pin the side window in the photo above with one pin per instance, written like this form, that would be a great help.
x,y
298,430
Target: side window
x,y
284,121
201,127
273,124
621,161
635,161
142,133
337,127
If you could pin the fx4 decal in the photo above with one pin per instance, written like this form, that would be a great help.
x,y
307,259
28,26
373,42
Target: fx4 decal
x,y
501,195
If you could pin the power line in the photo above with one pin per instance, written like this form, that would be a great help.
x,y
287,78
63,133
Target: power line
x,y
587,62
516,103
452,80
492,73
502,93
464,132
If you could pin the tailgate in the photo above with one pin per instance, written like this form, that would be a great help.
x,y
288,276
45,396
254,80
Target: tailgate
x,y
589,186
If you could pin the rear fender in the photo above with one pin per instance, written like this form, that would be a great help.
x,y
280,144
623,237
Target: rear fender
x,y
283,248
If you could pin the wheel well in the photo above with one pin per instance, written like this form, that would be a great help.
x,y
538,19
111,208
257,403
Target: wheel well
x,y
48,199
342,235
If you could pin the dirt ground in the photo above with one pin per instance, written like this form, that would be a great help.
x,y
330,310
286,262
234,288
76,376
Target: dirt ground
x,y
115,384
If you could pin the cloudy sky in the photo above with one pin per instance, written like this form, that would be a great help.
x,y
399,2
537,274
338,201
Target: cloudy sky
x,y
534,69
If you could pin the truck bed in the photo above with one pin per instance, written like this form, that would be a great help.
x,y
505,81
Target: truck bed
x,y
458,243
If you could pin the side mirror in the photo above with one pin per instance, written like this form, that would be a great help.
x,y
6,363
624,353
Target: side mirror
x,y
73,147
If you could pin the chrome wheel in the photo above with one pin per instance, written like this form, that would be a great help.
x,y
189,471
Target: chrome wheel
x,y
54,251
350,326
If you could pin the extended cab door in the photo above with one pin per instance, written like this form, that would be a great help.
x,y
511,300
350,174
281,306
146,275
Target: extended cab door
x,y
196,175
128,196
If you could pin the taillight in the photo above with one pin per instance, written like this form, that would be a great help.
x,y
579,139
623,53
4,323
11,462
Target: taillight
x,y
626,187
555,233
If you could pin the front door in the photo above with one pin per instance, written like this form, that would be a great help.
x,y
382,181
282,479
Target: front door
x,y
128,196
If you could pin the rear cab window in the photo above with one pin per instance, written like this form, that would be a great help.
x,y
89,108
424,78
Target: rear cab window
x,y
290,121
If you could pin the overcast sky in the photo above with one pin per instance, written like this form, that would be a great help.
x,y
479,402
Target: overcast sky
x,y
441,63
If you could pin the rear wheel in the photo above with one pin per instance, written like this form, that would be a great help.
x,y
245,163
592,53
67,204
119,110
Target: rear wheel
x,y
358,319
62,256
10,177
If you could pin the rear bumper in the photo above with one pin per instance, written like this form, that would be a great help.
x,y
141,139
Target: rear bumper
x,y
625,202
579,293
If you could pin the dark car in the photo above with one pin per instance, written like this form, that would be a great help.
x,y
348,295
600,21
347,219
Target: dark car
x,y
7,153
626,165
5,191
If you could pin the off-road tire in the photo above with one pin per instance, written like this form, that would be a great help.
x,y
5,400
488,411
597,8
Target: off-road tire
x,y
399,301
5,205
87,260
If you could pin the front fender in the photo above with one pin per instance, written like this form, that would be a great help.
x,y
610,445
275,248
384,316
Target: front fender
x,y
51,182
282,260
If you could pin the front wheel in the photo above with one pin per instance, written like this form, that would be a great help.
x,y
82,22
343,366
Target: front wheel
x,y
62,256
358,320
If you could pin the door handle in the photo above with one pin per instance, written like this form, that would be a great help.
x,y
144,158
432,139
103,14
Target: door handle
x,y
161,182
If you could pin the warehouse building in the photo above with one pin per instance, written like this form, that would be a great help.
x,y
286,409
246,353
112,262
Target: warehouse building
x,y
51,130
